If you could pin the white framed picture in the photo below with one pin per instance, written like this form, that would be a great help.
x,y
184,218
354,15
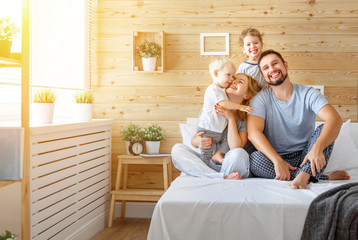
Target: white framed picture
x,y
208,35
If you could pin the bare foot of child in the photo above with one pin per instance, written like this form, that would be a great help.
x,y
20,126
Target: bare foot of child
x,y
339,175
217,158
300,181
233,176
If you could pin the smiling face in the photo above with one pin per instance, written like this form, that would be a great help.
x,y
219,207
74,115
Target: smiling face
x,y
252,47
239,86
273,69
224,76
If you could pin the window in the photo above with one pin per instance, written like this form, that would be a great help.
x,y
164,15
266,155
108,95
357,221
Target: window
x,y
61,53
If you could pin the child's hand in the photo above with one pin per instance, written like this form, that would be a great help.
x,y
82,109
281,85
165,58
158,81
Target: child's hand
x,y
247,109
223,112
267,86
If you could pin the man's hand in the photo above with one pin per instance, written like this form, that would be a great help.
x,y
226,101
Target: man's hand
x,y
318,161
282,170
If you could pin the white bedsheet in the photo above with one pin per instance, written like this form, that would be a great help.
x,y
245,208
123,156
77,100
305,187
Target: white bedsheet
x,y
200,208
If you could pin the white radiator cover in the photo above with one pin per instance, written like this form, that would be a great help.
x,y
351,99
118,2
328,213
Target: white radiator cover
x,y
69,177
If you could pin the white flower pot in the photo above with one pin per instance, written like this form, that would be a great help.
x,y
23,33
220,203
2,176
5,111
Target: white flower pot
x,y
149,63
83,111
152,146
127,147
42,113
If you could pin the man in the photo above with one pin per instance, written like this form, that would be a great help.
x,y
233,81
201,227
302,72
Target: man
x,y
281,127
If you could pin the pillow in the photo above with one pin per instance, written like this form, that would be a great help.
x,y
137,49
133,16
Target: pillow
x,y
187,131
344,153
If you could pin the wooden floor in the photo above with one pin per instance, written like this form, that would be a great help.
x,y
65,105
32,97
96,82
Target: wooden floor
x,y
125,229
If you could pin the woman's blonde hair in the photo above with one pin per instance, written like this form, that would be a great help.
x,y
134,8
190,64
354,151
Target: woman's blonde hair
x,y
253,88
249,32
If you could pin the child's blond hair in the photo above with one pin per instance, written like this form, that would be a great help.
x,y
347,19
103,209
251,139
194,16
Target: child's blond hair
x,y
250,32
217,64
253,88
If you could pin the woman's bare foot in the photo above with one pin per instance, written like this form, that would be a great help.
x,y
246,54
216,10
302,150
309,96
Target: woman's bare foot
x,y
300,181
339,175
233,176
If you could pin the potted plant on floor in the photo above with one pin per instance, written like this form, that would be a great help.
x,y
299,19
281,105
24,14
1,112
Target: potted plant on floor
x,y
153,134
83,105
8,236
43,106
8,30
149,51
133,135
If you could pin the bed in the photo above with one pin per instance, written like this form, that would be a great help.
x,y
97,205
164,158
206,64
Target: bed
x,y
253,208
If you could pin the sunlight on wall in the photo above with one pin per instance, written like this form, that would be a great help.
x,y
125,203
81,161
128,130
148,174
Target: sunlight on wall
x,y
12,9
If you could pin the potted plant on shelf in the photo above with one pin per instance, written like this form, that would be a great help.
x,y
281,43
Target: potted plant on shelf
x,y
83,106
149,51
8,30
133,135
153,134
43,106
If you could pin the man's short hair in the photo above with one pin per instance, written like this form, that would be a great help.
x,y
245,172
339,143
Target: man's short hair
x,y
267,52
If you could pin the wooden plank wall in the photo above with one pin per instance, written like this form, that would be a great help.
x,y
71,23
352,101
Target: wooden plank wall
x,y
319,39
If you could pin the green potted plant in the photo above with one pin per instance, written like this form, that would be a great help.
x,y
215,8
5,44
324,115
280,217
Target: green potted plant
x,y
43,105
132,134
8,236
153,134
149,51
83,105
8,30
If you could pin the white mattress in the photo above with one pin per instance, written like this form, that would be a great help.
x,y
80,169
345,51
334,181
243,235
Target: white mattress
x,y
201,208
254,208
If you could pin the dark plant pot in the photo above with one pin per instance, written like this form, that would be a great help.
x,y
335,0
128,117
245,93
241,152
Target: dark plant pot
x,y
5,48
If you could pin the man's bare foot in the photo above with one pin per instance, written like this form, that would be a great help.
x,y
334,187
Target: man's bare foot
x,y
339,175
233,176
300,181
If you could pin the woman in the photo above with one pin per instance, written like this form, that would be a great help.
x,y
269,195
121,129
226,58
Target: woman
x,y
236,162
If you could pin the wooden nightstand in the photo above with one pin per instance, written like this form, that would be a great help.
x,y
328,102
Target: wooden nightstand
x,y
125,194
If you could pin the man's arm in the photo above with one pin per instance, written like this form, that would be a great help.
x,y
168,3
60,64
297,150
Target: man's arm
x,y
255,126
329,133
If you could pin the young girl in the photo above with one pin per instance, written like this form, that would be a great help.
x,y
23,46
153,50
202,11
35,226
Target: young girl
x,y
222,71
251,44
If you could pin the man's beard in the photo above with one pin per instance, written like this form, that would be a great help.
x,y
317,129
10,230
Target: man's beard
x,y
278,81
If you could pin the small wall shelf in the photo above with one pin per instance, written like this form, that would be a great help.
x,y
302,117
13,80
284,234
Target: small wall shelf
x,y
141,36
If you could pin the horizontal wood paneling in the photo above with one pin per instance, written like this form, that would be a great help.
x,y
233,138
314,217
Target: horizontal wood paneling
x,y
234,25
184,60
318,39
227,9
189,43
198,78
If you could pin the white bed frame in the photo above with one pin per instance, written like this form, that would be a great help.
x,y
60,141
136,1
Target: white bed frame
x,y
254,208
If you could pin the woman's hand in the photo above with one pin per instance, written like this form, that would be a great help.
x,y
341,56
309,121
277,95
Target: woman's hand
x,y
224,112
200,142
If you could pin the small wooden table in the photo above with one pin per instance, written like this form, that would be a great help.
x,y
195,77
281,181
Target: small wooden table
x,y
125,194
